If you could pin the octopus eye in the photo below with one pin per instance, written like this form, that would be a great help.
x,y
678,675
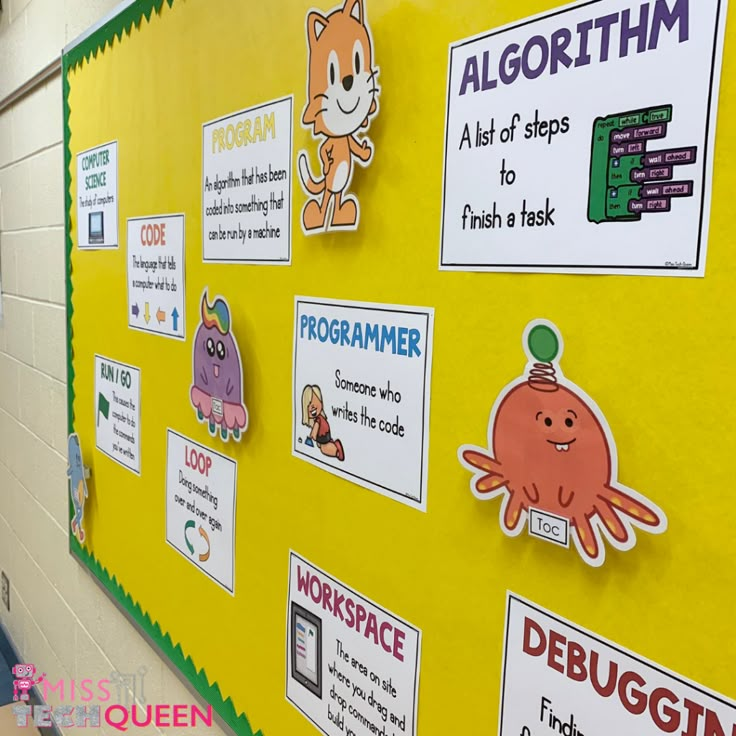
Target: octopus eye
x,y
220,350
569,422
210,347
547,422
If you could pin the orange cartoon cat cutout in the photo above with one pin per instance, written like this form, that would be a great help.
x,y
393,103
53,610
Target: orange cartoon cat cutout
x,y
342,96
552,459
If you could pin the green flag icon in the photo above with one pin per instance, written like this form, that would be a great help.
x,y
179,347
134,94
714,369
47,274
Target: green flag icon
x,y
103,407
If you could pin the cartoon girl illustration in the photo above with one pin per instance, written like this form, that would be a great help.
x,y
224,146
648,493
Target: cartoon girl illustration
x,y
217,389
342,95
314,417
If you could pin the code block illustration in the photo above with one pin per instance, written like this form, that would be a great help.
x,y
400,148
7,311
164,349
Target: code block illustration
x,y
626,178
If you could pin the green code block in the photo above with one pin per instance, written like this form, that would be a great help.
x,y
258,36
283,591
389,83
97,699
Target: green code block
x,y
618,146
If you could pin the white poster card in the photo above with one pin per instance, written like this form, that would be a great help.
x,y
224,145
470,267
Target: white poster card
x,y
361,393
97,197
581,140
200,506
352,667
156,286
560,678
118,412
246,185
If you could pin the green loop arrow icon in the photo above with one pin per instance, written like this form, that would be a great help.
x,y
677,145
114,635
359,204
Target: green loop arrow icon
x,y
189,525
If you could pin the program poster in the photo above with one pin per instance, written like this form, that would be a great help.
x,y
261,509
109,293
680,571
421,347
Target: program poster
x,y
581,140
352,667
200,506
561,679
246,185
361,393
97,197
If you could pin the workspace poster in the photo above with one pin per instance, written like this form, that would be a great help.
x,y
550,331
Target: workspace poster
x,y
352,666
560,678
582,140
361,393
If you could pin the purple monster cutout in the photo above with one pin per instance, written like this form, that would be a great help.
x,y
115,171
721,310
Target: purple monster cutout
x,y
217,391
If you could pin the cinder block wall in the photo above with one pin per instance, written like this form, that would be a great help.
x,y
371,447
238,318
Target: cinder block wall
x,y
59,619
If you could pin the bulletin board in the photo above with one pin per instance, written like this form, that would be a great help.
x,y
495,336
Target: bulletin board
x,y
434,544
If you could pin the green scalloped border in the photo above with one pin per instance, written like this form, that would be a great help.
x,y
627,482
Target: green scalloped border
x,y
95,43
173,652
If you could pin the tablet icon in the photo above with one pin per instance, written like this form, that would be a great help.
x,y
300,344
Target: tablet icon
x,y
306,649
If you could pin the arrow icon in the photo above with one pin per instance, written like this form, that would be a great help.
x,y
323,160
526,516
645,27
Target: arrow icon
x,y
147,314
160,315
189,525
175,319
135,310
204,556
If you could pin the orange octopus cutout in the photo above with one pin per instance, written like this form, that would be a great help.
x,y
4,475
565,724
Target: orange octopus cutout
x,y
551,450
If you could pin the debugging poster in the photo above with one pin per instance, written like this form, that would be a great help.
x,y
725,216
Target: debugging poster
x,y
582,140
361,393
561,679
352,666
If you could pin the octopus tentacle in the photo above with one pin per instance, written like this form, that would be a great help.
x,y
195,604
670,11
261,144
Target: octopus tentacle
x,y
514,509
586,535
534,496
481,461
564,503
620,501
489,483
493,478
612,522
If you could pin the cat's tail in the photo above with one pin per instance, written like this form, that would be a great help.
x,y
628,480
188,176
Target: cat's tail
x,y
312,185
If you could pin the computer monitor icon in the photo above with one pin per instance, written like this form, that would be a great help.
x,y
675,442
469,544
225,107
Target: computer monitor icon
x,y
96,227
306,649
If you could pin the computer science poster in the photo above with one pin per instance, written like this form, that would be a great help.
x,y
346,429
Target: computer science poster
x,y
97,197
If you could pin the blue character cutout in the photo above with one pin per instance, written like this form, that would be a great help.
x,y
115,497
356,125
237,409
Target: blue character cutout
x,y
78,485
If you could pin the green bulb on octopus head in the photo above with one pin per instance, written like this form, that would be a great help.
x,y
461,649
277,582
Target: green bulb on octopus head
x,y
544,343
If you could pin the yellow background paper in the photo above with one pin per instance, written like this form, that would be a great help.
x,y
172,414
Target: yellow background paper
x,y
657,354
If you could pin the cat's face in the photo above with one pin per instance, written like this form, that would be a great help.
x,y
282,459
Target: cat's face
x,y
342,84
